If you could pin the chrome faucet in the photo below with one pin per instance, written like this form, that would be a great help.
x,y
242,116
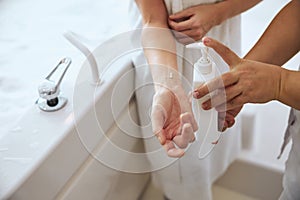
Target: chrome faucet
x,y
50,98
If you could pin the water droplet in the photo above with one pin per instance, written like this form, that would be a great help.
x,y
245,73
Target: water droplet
x,y
16,129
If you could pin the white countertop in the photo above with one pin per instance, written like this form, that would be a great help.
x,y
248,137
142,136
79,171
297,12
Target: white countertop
x,y
31,45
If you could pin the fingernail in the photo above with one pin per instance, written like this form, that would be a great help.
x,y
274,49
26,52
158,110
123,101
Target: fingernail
x,y
206,40
215,142
195,94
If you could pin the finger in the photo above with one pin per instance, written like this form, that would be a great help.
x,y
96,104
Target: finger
x,y
184,118
196,33
228,56
221,121
172,151
188,133
189,33
188,118
224,129
158,121
215,142
186,40
222,126
182,14
223,81
179,35
232,104
227,122
230,122
185,137
221,97
180,26
182,37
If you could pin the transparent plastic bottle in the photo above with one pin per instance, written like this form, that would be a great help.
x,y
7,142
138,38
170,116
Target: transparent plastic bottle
x,y
208,134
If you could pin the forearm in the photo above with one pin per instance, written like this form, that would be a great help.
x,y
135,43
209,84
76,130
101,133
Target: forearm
x,y
281,39
290,88
158,42
231,8
160,51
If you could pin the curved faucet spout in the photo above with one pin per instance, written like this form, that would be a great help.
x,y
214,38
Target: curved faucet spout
x,y
72,38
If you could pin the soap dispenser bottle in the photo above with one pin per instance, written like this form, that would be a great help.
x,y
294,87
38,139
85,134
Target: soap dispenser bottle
x,y
204,71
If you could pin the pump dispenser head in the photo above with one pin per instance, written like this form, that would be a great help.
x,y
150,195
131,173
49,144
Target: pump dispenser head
x,y
204,64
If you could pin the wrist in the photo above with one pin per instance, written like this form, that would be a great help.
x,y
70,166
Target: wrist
x,y
166,78
281,88
175,90
282,75
223,9
167,84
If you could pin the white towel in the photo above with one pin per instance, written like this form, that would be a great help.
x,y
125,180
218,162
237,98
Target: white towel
x,y
188,177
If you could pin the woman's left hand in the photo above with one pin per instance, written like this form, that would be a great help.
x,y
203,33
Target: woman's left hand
x,y
193,23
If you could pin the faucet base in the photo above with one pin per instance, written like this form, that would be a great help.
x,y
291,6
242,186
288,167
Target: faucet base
x,y
44,105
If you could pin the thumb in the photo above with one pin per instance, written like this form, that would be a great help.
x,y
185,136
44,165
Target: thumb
x,y
182,14
228,56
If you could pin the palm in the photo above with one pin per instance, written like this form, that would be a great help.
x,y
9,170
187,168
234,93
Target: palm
x,y
172,120
171,113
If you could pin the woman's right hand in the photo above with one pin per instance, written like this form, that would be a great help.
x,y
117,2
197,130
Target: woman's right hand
x,y
247,81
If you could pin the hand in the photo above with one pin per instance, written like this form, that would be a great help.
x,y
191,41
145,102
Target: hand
x,y
172,120
194,22
246,82
229,120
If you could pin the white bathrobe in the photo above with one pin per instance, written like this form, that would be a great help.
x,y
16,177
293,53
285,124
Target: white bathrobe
x,y
187,177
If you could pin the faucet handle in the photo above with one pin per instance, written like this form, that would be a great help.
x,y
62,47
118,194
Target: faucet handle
x,y
48,89
65,61
49,92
